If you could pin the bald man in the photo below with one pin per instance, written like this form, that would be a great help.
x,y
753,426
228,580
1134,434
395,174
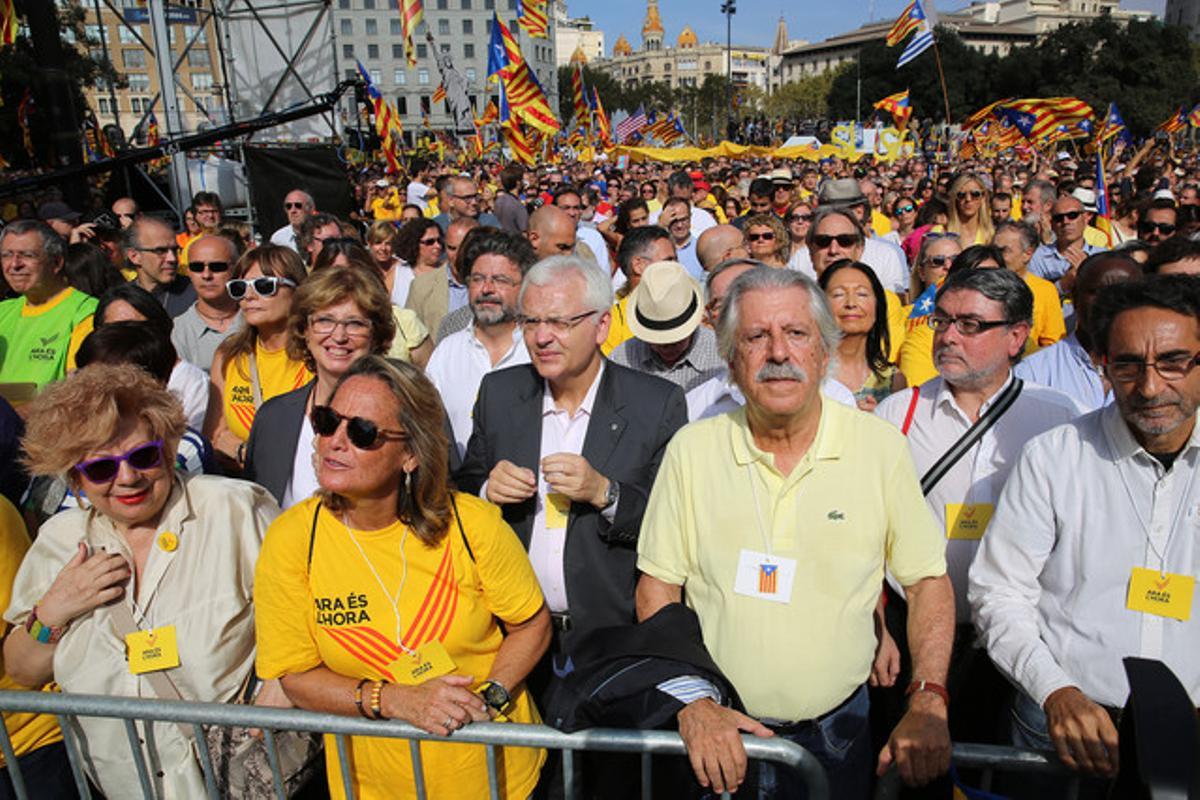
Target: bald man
x,y
214,316
551,232
720,243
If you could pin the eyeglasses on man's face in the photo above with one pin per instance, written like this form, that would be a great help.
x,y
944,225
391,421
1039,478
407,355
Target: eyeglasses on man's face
x,y
1171,367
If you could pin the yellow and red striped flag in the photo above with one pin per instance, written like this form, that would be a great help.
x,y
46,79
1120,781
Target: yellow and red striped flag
x,y
1038,117
8,22
897,105
439,94
909,20
490,114
531,16
411,14
579,97
603,125
525,96
1194,116
1177,122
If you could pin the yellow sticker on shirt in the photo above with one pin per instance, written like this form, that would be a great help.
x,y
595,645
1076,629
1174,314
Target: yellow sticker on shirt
x,y
558,507
1151,592
152,650
967,520
429,662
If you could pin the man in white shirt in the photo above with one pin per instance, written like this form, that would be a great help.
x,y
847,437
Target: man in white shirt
x,y
495,262
837,233
681,185
298,205
418,190
676,217
981,321
571,201
1077,572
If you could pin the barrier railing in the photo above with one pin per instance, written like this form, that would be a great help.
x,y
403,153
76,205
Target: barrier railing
x,y
490,734
986,760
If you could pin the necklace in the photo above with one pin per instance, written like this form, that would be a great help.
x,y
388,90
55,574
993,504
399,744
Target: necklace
x,y
394,601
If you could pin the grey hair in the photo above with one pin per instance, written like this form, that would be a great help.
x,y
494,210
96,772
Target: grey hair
x,y
1030,238
131,238
597,293
825,213
54,247
1000,285
1044,189
728,263
767,278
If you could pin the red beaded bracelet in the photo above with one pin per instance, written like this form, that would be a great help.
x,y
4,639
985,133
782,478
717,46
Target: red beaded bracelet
x,y
929,686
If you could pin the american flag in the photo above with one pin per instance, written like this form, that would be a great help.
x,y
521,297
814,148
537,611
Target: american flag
x,y
631,125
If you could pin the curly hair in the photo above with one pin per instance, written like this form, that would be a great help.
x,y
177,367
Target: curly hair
x,y
104,395
781,235
329,287
408,239
425,505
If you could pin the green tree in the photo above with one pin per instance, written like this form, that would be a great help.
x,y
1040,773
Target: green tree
x,y
610,91
807,98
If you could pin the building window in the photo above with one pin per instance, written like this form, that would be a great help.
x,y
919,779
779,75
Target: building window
x,y
134,59
445,48
372,51
347,27
443,27
127,36
376,76
400,77
135,104
200,34
351,74
468,51
512,5
402,105
199,57
468,27
369,4
466,5
422,51
394,27
347,51
344,5
423,76
489,5
393,4
202,81
667,67
103,103
397,51
372,27
443,5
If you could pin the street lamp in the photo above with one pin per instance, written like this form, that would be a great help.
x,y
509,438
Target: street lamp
x,y
729,8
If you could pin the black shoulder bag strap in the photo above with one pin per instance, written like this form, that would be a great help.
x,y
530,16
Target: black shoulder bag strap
x,y
312,536
972,435
461,532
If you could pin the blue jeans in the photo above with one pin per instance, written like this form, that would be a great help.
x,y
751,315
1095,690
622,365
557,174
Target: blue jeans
x,y
1030,729
841,741
47,774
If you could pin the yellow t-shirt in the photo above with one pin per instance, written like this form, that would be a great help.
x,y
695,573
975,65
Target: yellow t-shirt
x,y
277,374
896,327
880,223
336,614
851,507
389,207
916,352
618,330
410,332
1048,325
28,731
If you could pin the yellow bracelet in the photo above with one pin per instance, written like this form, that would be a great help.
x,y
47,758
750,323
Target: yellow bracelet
x,y
376,698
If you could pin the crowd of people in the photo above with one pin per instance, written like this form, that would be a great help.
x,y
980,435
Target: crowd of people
x,y
870,456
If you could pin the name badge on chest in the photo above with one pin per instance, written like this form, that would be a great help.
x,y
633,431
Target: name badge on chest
x,y
152,650
967,520
765,577
1166,595
428,662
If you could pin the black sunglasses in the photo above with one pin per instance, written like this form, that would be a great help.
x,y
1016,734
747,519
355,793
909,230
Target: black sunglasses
x,y
1064,216
1165,228
362,433
102,470
823,241
211,266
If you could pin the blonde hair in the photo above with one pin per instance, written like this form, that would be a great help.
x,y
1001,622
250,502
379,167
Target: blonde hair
x,y
382,230
104,395
424,505
328,287
983,221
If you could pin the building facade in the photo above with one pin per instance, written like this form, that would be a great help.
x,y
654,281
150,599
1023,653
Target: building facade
x,y
1185,13
575,35
688,63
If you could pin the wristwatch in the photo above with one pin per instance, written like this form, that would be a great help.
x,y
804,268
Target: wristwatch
x,y
495,695
611,494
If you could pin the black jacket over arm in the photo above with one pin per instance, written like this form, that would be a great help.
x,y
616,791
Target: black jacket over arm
x,y
271,448
633,418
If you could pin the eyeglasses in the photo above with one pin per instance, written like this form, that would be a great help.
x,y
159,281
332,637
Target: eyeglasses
x,y
768,236
208,211
466,198
290,206
431,242
263,287
967,326
1170,368
1165,228
799,217
141,458
934,235
212,266
362,433
906,208
559,326
941,262
1060,218
355,327
173,249
19,255
974,194
823,241
502,281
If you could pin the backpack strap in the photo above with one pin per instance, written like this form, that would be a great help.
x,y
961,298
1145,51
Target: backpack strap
x,y
312,537
461,532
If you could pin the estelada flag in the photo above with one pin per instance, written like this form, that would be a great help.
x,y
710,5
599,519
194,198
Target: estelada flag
x,y
768,578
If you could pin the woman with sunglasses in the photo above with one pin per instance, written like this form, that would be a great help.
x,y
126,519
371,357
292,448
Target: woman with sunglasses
x,y
767,240
337,317
421,246
79,615
904,218
936,256
412,341
253,364
856,298
439,586
970,210
797,220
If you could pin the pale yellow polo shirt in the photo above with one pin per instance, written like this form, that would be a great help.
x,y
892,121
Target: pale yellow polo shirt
x,y
850,507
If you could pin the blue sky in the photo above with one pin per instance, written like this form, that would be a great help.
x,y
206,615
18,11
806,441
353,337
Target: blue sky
x,y
755,21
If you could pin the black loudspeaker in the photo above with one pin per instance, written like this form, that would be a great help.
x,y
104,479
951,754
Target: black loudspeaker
x,y
275,171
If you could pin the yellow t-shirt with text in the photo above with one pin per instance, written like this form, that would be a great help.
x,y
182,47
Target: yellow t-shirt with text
x,y
277,374
335,613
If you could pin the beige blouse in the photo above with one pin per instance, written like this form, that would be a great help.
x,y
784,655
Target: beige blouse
x,y
198,577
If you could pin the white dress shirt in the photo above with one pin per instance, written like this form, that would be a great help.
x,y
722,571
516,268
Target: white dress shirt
x,y
562,432
457,367
285,237
1067,367
1083,506
595,242
720,395
701,220
190,385
303,483
401,282
938,422
883,257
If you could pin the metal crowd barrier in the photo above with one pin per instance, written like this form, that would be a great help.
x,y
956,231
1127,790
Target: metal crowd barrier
x,y
490,734
986,760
